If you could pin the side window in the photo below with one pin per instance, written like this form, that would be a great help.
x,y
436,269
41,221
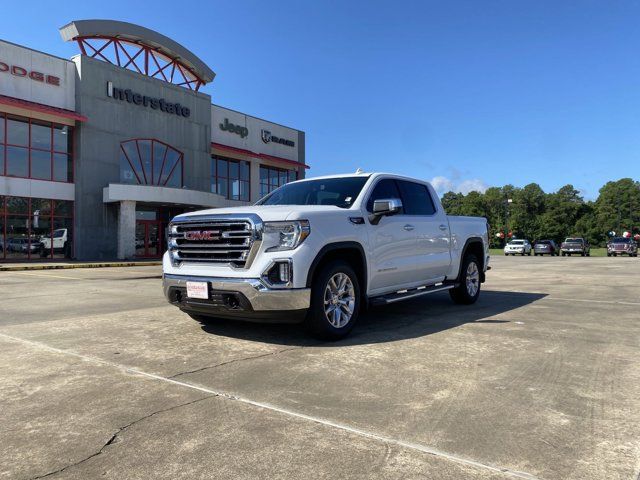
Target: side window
x,y
386,188
416,199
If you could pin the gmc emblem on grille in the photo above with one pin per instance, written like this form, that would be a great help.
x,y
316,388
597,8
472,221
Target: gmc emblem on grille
x,y
202,235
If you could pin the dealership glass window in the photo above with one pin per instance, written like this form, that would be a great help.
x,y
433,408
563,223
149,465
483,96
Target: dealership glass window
x,y
35,228
32,148
40,164
273,177
41,135
17,131
145,161
17,161
230,178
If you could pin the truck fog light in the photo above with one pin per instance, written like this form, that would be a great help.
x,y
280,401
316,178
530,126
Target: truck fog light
x,y
285,272
279,274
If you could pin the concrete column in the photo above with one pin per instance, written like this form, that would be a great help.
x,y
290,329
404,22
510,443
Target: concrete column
x,y
254,175
127,229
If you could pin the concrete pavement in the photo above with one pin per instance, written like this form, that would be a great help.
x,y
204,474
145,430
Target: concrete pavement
x,y
540,379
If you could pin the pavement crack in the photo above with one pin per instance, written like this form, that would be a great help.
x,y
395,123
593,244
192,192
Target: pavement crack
x,y
235,360
115,436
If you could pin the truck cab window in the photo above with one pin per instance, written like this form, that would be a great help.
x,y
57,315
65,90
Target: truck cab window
x,y
384,189
416,199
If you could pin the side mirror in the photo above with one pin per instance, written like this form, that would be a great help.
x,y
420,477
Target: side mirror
x,y
384,207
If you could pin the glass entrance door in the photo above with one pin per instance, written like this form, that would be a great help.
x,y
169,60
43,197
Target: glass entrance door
x,y
148,239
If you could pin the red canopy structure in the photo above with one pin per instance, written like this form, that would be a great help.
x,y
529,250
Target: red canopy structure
x,y
139,49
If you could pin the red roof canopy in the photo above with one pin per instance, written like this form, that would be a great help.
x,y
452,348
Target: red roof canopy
x,y
39,107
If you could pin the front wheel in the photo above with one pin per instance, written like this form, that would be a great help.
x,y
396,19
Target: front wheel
x,y
469,289
335,302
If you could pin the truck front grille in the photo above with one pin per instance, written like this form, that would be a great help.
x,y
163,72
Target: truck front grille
x,y
212,240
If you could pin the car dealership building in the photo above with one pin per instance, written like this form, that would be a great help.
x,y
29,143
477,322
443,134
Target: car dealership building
x,y
99,152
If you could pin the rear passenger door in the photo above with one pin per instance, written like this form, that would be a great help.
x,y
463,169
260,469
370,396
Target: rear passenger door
x,y
433,250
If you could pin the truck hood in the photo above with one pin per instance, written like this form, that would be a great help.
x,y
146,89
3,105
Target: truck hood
x,y
273,213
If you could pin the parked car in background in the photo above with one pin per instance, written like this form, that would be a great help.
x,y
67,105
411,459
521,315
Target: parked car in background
x,y
22,245
576,245
518,247
58,240
545,247
622,246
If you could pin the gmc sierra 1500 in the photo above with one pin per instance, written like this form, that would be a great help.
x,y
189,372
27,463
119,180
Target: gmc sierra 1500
x,y
318,250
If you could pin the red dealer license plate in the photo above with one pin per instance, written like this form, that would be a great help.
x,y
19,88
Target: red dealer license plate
x,y
198,290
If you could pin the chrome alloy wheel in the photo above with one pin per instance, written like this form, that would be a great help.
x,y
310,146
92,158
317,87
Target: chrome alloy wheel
x,y
472,279
339,300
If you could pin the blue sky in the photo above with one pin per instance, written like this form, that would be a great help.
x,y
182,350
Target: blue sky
x,y
471,93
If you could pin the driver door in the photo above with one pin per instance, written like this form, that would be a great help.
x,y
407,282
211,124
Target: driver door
x,y
392,245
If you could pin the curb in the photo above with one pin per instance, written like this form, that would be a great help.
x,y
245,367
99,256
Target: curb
x,y
57,266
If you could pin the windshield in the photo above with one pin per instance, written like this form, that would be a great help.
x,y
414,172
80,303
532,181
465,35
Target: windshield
x,y
517,242
339,192
621,240
573,240
544,242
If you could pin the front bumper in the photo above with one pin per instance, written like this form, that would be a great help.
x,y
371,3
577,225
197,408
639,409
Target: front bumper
x,y
246,298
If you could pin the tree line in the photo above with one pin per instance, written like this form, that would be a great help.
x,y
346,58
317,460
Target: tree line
x,y
536,215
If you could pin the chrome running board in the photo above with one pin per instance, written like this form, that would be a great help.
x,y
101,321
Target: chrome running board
x,y
410,293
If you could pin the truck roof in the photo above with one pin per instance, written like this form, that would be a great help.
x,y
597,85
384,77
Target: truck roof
x,y
361,174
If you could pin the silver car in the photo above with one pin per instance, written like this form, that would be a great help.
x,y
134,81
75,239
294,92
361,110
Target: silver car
x,y
518,247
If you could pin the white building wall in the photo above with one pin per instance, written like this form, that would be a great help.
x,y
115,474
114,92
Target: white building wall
x,y
34,85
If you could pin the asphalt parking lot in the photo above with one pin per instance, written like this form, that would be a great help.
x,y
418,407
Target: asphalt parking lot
x,y
540,379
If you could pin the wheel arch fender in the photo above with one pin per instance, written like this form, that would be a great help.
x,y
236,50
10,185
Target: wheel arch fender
x,y
473,245
336,250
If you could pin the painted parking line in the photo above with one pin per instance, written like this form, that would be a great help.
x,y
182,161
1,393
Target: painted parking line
x,y
48,275
274,408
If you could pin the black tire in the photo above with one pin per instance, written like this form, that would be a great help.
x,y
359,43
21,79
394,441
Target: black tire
x,y
582,254
316,321
608,254
461,294
506,254
529,253
615,254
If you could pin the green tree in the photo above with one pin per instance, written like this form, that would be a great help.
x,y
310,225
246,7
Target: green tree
x,y
618,207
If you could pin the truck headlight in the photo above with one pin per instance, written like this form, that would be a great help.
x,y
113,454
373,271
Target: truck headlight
x,y
285,235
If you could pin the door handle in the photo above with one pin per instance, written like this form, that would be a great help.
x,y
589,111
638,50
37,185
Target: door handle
x,y
408,227
443,227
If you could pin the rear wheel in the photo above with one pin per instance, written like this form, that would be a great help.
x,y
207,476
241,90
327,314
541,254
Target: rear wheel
x,y
469,289
335,302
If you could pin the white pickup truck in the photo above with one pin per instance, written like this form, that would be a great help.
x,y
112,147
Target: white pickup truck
x,y
319,250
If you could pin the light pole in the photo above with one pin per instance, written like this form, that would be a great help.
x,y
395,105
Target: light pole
x,y
506,220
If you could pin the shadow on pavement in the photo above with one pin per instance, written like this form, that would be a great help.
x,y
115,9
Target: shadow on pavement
x,y
409,319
